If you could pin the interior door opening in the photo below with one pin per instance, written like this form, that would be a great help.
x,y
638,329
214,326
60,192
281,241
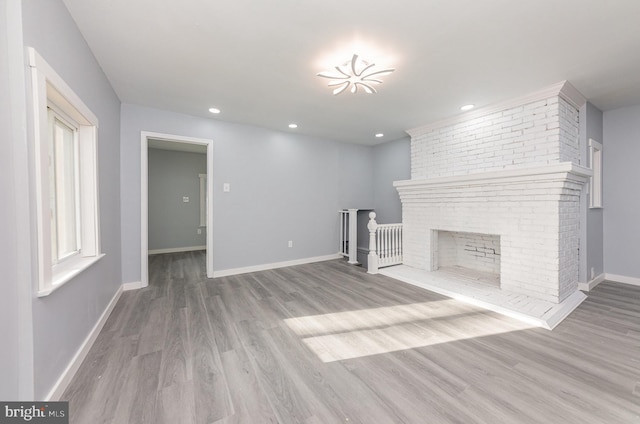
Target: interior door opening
x,y
165,161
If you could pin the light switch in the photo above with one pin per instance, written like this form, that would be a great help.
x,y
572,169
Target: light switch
x,y
226,187
185,199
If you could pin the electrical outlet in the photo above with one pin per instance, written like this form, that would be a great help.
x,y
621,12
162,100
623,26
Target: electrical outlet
x,y
199,230
226,187
290,243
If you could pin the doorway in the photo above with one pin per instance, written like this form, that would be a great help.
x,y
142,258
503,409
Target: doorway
x,y
178,143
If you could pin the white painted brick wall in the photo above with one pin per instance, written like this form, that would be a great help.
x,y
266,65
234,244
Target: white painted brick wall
x,y
538,133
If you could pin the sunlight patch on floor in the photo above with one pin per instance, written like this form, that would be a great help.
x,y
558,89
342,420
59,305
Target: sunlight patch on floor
x,y
354,334
315,325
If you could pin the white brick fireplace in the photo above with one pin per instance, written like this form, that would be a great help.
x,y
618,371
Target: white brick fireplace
x,y
497,191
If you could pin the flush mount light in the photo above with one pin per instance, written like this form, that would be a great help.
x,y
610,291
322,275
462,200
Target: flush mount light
x,y
467,107
379,135
293,126
214,110
356,73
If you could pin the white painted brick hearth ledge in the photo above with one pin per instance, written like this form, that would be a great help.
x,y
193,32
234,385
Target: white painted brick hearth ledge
x,y
527,309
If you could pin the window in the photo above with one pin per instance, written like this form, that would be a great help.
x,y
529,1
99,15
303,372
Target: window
x,y
63,188
203,199
65,141
595,184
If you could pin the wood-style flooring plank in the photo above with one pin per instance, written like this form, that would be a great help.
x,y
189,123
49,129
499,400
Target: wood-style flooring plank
x,y
250,403
176,405
176,366
282,388
212,400
329,343
137,396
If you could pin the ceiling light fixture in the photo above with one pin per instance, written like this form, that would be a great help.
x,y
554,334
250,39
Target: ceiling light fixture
x,y
379,135
355,74
293,126
467,107
214,110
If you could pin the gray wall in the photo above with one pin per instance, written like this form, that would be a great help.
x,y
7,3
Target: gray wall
x,y
621,192
16,353
284,187
172,175
62,320
591,127
391,162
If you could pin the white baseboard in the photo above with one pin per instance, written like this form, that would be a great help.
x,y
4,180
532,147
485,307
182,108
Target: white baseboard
x,y
177,249
588,286
264,267
63,382
622,279
134,285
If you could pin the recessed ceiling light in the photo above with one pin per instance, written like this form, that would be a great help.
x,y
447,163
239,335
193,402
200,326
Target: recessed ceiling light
x,y
292,126
467,107
214,110
354,74
379,135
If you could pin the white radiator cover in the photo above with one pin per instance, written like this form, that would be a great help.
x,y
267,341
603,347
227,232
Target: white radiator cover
x,y
511,170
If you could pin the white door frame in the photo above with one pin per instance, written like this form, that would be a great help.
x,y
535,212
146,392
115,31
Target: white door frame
x,y
144,198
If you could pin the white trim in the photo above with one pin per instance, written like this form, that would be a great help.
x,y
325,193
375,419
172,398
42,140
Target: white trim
x,y
12,56
144,198
65,93
588,286
177,249
595,181
562,89
71,270
264,267
133,285
144,210
63,382
634,281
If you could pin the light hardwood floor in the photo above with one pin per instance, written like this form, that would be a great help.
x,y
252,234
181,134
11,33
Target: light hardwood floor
x,y
328,343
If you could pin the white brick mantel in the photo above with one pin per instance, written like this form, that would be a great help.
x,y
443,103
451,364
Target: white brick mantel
x,y
511,170
562,171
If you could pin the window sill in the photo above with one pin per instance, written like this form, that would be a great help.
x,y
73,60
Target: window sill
x,y
69,272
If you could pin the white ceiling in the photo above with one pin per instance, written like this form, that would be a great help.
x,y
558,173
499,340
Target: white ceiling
x,y
257,60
